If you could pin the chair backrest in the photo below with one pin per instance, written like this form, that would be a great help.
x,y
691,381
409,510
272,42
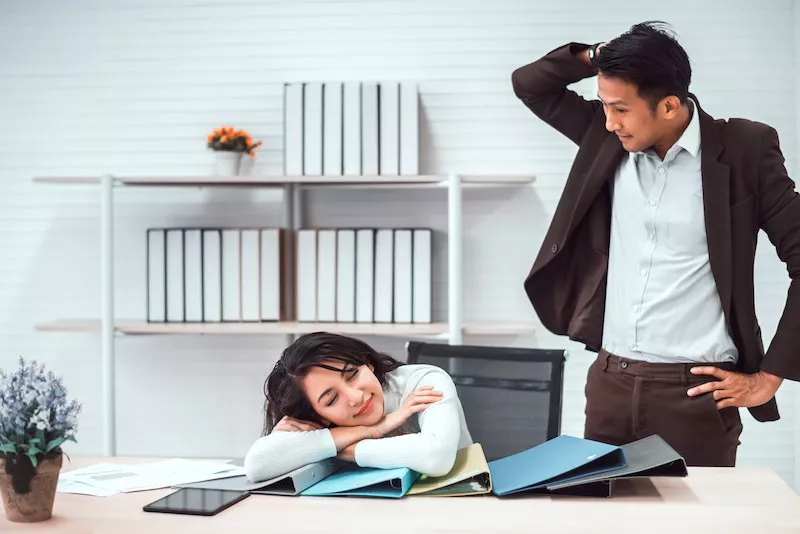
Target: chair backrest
x,y
511,396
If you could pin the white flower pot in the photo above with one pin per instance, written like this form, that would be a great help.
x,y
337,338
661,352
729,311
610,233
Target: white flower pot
x,y
227,163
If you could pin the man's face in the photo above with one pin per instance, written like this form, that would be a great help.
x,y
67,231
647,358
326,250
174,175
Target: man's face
x,y
628,115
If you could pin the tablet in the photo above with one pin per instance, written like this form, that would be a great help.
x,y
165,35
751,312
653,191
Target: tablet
x,y
196,501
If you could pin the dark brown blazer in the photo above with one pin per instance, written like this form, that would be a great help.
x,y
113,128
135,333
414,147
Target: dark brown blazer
x,y
745,188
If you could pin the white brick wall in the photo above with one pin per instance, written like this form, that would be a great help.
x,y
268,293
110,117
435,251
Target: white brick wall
x,y
133,87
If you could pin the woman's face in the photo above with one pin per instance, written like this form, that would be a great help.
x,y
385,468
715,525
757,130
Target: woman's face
x,y
350,397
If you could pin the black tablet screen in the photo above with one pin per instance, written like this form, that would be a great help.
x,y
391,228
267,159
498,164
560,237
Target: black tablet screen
x,y
196,501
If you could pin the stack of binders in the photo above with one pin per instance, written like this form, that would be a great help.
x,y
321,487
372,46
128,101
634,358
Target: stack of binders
x,y
216,275
351,129
364,275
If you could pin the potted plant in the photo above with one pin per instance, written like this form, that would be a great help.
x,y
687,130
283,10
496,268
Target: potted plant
x,y
35,420
230,145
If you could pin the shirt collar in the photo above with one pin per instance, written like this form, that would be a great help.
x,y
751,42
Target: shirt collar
x,y
690,139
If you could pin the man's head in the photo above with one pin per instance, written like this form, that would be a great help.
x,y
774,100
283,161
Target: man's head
x,y
643,82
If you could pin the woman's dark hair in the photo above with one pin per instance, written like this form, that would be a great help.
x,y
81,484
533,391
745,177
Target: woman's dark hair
x,y
649,57
285,396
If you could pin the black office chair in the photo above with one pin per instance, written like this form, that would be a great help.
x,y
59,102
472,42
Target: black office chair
x,y
511,396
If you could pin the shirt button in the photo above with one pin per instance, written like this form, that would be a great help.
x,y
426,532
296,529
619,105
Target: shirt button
x,y
661,170
624,365
554,249
653,203
643,272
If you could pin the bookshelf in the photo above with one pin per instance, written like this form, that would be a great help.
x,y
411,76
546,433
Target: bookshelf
x,y
437,330
108,326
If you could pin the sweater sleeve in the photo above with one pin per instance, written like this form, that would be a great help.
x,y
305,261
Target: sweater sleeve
x,y
432,450
280,452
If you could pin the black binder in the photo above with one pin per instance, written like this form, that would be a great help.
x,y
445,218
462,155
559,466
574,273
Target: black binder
x,y
648,457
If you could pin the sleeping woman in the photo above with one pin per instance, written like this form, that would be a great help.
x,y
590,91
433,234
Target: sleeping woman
x,y
334,396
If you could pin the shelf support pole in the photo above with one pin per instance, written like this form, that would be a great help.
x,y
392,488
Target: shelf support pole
x,y
454,259
107,313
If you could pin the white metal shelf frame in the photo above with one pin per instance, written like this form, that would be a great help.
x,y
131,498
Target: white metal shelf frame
x,y
293,219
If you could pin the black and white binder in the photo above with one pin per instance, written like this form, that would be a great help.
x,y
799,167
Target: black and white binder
x,y
193,274
346,276
369,129
365,275
293,129
402,275
326,276
312,129
156,276
352,129
176,305
212,276
251,275
231,275
306,275
384,275
332,136
422,276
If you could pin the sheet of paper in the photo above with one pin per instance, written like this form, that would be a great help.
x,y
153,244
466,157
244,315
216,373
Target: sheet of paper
x,y
67,485
154,475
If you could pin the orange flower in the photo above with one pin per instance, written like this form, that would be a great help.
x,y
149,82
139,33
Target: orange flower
x,y
223,139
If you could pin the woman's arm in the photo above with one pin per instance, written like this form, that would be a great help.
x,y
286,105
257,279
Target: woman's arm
x,y
431,451
282,451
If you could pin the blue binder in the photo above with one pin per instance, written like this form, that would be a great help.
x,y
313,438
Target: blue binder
x,y
366,482
555,461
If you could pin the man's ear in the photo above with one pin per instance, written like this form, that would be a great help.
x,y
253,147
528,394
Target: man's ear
x,y
670,106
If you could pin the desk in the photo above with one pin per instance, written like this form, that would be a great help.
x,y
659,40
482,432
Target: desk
x,y
709,500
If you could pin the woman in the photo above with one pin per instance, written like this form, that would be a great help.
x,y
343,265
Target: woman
x,y
331,395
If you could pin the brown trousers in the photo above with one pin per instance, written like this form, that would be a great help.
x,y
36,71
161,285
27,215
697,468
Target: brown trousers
x,y
628,400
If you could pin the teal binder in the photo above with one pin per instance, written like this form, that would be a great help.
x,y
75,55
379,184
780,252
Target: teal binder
x,y
365,482
558,460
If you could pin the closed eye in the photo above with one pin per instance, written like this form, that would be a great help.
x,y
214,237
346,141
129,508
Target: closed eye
x,y
351,373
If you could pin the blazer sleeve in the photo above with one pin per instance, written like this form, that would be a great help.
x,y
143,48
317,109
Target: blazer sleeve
x,y
779,217
542,87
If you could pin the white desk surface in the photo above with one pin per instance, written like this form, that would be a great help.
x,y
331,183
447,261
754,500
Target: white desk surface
x,y
709,500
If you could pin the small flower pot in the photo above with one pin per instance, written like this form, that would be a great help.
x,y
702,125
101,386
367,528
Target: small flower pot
x,y
28,493
227,163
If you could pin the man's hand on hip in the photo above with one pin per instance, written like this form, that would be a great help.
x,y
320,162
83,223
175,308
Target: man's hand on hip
x,y
737,389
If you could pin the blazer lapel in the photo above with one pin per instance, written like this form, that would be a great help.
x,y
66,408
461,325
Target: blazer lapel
x,y
717,207
601,172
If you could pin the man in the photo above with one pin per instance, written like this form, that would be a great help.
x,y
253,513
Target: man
x,y
649,257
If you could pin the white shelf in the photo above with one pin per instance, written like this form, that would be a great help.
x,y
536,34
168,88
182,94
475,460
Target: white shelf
x,y
138,327
278,181
108,326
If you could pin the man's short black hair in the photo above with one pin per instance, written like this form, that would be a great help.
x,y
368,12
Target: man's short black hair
x,y
649,57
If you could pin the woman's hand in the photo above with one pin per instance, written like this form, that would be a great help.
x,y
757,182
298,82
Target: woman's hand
x,y
348,454
289,424
418,401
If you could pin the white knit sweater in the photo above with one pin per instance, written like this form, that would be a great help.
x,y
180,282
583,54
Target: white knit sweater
x,y
428,445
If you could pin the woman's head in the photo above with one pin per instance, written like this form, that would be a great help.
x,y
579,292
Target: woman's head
x,y
330,379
